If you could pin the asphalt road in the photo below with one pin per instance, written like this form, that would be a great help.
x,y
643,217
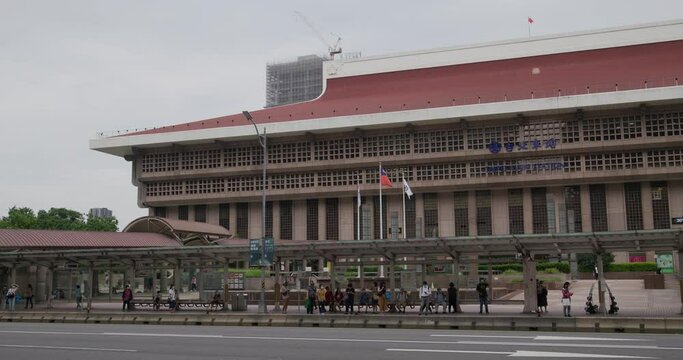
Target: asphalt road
x,y
101,342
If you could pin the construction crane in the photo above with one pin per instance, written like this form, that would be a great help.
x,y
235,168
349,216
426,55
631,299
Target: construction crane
x,y
332,50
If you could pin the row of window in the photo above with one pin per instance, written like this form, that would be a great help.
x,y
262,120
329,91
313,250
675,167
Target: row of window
x,y
543,217
432,172
422,142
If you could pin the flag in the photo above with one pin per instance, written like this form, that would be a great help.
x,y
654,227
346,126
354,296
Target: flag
x,y
359,196
530,20
406,189
383,178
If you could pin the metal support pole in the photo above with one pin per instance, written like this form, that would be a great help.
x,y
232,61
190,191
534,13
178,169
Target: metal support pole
x,y
456,281
276,290
91,272
601,280
392,281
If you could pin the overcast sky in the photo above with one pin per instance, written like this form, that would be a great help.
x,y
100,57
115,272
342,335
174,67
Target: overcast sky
x,y
71,68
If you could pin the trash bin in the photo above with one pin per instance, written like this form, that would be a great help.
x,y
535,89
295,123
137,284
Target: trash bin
x,y
238,302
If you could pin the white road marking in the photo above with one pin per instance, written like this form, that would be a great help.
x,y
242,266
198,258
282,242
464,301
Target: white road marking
x,y
64,348
604,346
547,354
523,353
540,337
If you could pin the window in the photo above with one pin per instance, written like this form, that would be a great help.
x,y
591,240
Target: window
x,y
160,212
462,223
286,220
516,211
572,200
598,208
312,219
660,205
431,214
410,218
200,213
539,210
634,207
332,219
183,212
224,215
483,200
242,221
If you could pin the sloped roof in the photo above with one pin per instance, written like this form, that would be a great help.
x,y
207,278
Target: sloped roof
x,y
172,227
52,239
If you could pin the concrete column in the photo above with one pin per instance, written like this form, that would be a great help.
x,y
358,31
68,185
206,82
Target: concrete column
x,y
527,206
226,288
276,219
500,212
48,285
299,220
91,284
110,283
41,285
472,213
346,218
419,216
423,273
255,220
601,289
129,277
322,221
616,207
163,280
530,299
446,214
176,278
13,275
679,255
456,281
585,210
200,285
490,278
155,282
646,205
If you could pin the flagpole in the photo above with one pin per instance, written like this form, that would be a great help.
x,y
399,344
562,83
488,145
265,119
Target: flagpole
x,y
403,196
381,225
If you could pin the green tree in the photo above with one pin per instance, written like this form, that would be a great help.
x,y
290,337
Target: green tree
x,y
19,218
102,224
56,219
587,262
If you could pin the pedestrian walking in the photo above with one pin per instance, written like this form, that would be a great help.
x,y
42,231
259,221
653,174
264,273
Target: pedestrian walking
x,y
11,294
29,296
172,300
440,300
483,295
127,298
566,299
350,297
79,297
284,294
452,298
425,294
157,301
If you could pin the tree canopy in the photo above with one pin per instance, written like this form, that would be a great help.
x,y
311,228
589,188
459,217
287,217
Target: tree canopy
x,y
56,219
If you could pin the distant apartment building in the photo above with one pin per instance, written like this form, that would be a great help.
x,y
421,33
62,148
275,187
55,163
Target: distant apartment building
x,y
294,81
100,212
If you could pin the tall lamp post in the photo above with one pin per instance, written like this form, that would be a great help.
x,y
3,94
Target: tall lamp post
x,y
262,141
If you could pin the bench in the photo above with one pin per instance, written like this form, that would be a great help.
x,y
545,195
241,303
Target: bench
x,y
149,304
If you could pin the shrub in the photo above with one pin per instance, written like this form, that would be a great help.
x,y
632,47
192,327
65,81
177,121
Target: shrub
x,y
511,272
633,267
551,271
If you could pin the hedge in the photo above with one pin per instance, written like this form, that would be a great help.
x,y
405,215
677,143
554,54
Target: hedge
x,y
633,267
562,267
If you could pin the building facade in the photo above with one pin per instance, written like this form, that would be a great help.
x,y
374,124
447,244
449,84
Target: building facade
x,y
571,133
294,81
100,212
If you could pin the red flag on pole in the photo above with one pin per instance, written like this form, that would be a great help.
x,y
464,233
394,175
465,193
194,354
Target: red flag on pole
x,y
384,179
530,20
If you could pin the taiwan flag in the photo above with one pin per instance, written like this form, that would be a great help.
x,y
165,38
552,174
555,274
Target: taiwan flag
x,y
383,178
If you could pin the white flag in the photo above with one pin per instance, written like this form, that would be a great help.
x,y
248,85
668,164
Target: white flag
x,y
359,197
406,189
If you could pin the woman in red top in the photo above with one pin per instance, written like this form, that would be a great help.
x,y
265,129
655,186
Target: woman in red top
x,y
566,299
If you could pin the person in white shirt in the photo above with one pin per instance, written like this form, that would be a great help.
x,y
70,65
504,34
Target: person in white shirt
x,y
425,293
171,298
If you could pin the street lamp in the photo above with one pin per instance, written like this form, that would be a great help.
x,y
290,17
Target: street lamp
x,y
262,141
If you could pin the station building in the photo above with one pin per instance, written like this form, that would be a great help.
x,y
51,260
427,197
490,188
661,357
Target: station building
x,y
578,132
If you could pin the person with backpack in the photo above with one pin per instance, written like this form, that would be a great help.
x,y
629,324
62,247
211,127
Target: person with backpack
x,y
483,295
127,298
11,294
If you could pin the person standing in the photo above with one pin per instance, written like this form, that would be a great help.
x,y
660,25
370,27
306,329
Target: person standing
x,y
543,305
29,296
350,297
194,284
127,297
311,292
329,299
11,294
483,295
440,301
382,293
79,298
171,298
566,299
452,298
425,293
284,294
320,295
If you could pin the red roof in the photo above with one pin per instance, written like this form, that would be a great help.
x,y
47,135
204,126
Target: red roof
x,y
573,73
42,239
